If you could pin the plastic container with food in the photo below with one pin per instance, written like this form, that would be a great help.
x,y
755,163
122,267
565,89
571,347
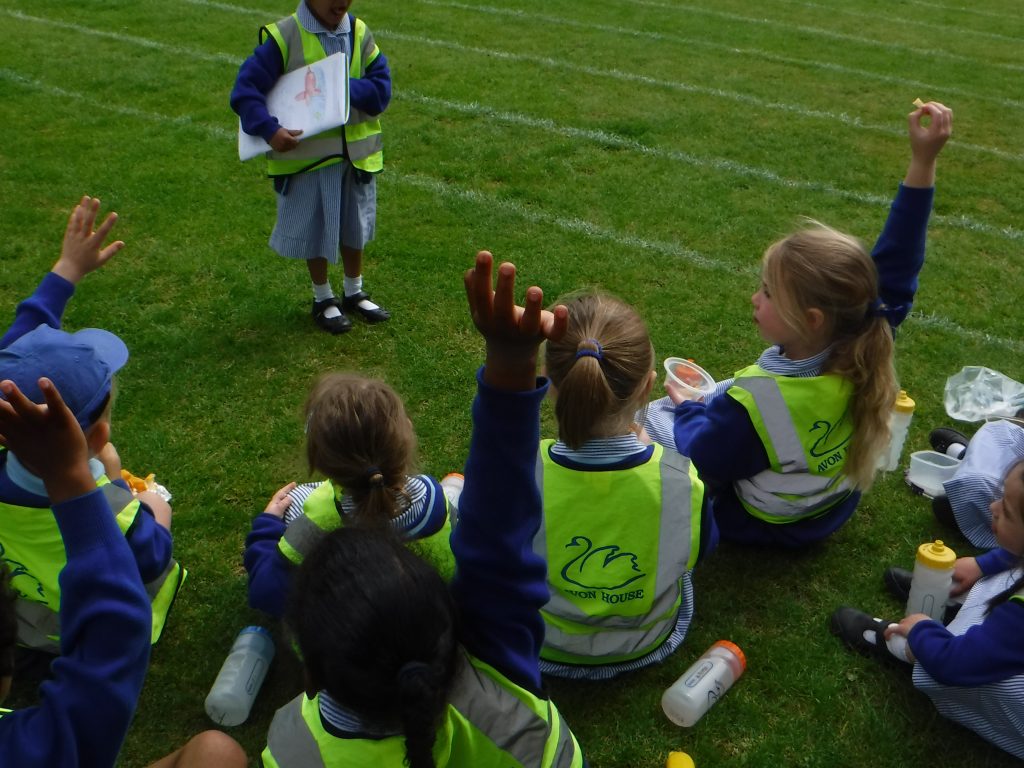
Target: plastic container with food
x,y
687,379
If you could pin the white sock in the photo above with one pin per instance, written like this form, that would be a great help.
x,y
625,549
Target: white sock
x,y
354,285
956,450
321,292
897,644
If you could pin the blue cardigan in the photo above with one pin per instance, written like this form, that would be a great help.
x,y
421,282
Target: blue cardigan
x,y
719,436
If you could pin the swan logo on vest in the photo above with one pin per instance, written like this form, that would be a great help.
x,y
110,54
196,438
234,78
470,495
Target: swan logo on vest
x,y
598,571
831,446
18,577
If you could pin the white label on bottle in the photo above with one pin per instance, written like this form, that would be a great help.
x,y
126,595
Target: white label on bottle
x,y
698,674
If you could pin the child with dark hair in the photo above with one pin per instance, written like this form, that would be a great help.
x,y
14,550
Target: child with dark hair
x,y
325,185
403,670
788,445
624,521
82,365
972,669
359,436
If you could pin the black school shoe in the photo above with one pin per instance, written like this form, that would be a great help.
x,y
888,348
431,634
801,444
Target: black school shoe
x,y
338,324
849,625
943,437
897,583
351,304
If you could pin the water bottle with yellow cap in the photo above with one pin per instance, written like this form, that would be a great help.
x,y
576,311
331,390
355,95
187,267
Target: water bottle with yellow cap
x,y
932,580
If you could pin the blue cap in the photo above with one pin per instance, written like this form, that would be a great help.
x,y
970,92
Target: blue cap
x,y
81,365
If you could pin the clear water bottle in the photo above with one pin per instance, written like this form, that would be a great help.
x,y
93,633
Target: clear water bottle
x,y
899,425
932,580
239,680
704,683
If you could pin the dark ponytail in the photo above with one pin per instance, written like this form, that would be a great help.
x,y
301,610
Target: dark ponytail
x,y
377,629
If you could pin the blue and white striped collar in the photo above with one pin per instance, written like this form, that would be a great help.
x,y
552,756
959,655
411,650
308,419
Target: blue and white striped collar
x,y
601,450
312,24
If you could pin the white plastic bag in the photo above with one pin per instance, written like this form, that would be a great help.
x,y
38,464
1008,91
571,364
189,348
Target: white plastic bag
x,y
977,393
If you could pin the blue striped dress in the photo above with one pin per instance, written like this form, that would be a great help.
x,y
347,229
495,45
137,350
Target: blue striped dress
x,y
994,711
325,208
978,481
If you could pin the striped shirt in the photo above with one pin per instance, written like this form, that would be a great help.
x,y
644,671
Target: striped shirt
x,y
978,480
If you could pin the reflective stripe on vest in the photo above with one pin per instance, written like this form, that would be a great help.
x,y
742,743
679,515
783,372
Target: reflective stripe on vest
x,y
40,557
361,141
321,516
631,534
489,720
803,424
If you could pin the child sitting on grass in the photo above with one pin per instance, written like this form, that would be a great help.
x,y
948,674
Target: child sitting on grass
x,y
624,521
788,445
359,436
82,366
400,668
972,669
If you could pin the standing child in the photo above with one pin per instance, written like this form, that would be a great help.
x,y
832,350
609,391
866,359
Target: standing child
x,y
358,435
973,669
400,669
624,522
789,444
325,184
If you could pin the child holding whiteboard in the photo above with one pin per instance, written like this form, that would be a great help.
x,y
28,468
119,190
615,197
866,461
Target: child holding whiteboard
x,y
325,184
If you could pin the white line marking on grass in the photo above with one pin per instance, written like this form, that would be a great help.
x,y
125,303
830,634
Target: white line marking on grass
x,y
741,98
627,77
183,121
142,42
533,215
962,9
930,320
932,53
715,163
732,50
949,29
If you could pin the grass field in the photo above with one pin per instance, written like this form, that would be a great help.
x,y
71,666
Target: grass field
x,y
650,148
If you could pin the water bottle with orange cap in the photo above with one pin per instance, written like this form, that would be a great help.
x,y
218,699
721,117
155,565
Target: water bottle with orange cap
x,y
704,683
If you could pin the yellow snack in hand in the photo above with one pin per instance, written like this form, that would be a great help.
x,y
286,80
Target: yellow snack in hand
x,y
918,103
138,484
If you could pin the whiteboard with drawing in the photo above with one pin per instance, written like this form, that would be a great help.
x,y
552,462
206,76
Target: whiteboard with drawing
x,y
312,99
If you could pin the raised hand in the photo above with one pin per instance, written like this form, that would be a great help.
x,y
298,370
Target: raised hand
x,y
930,126
83,249
513,333
47,440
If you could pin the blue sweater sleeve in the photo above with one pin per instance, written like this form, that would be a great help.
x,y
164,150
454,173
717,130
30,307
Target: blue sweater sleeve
x,y
996,561
270,573
985,653
500,584
899,251
151,544
720,439
256,77
44,307
371,93
87,705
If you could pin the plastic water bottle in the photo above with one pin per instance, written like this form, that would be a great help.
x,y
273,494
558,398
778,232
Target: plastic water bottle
x,y
704,683
899,424
239,680
933,578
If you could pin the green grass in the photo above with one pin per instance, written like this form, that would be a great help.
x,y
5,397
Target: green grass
x,y
650,148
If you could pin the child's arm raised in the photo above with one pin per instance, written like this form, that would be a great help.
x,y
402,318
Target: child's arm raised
x,y
926,141
500,583
900,250
105,616
81,253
